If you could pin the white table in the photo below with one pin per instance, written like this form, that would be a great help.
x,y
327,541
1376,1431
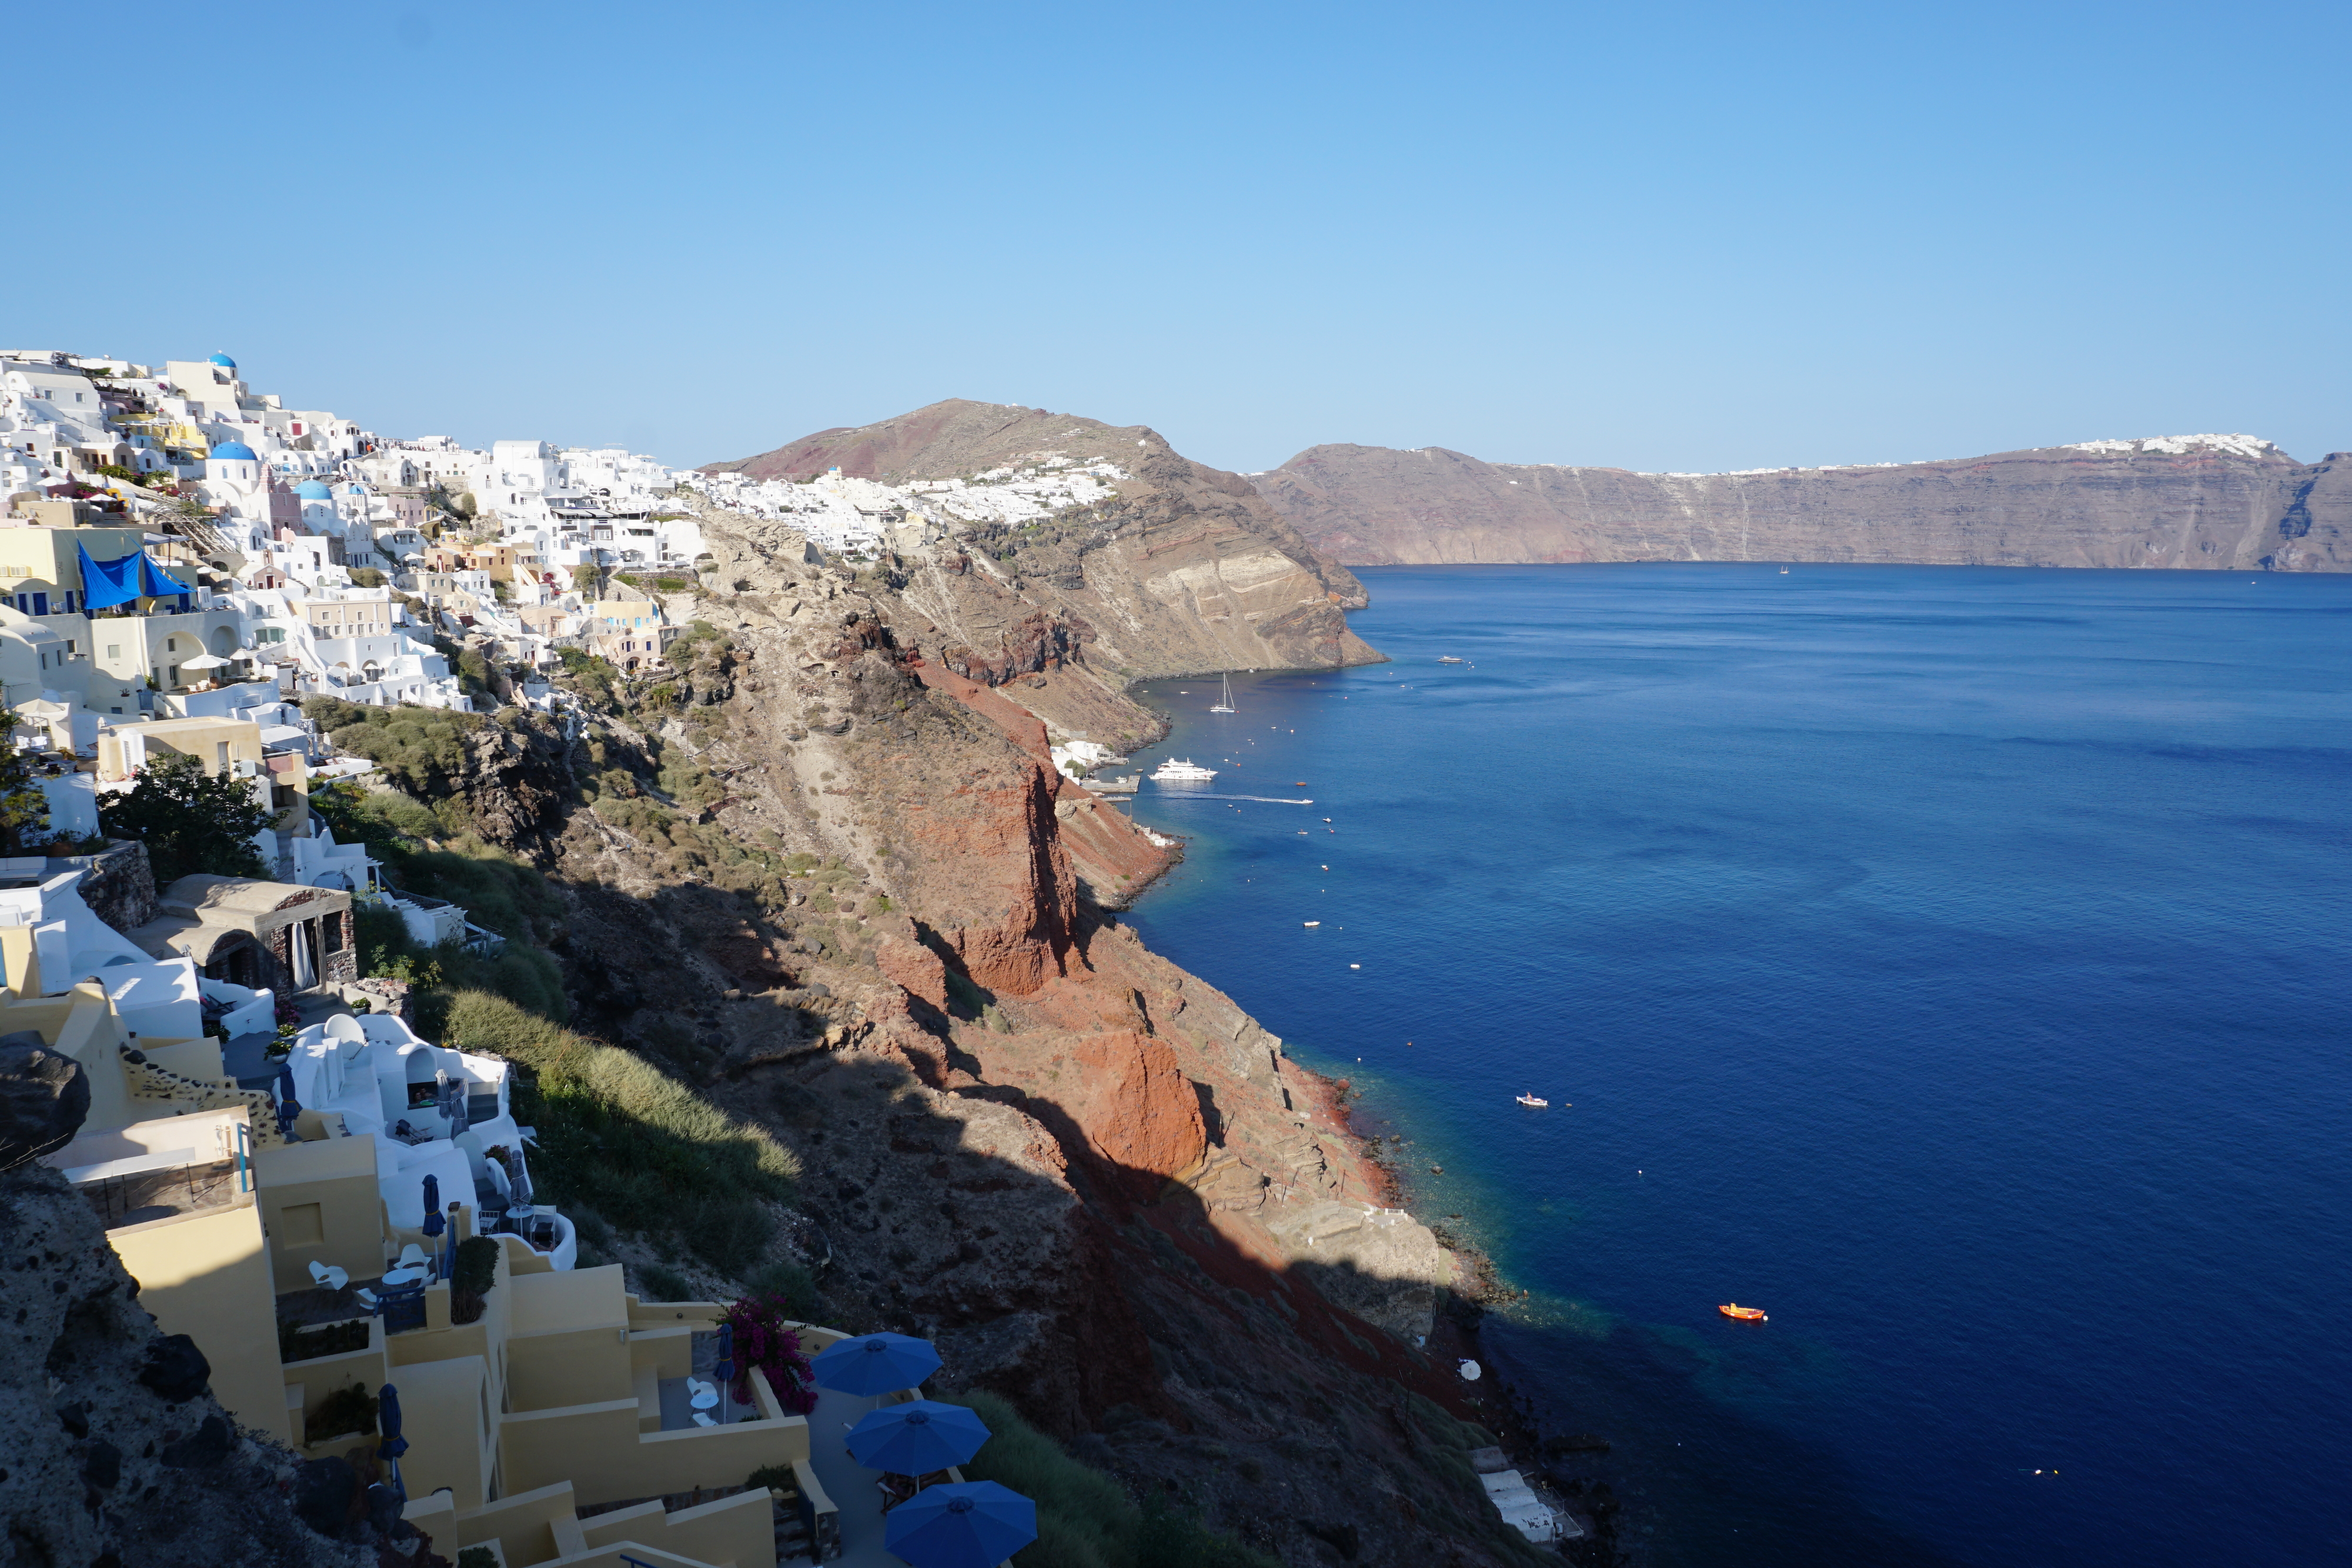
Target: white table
x,y
402,1276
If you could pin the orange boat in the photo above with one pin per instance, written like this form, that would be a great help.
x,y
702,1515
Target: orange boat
x,y
1745,1314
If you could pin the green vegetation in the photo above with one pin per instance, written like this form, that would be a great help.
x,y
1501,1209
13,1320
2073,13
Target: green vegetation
x,y
664,1284
189,822
433,850
1084,1519
24,809
347,1409
367,576
296,1342
624,1138
418,747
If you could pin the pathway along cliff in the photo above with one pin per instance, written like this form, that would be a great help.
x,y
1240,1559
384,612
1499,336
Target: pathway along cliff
x,y
824,872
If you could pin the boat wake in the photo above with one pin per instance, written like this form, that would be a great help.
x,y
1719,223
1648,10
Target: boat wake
x,y
1198,795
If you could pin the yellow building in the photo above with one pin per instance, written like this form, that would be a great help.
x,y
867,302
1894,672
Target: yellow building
x,y
353,617
281,779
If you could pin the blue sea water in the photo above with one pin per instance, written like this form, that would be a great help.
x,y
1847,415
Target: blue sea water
x,y
1956,963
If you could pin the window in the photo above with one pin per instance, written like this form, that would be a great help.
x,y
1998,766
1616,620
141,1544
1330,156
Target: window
x,y
220,754
330,928
114,650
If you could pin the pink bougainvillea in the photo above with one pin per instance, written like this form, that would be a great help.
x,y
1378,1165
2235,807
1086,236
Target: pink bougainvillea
x,y
762,1340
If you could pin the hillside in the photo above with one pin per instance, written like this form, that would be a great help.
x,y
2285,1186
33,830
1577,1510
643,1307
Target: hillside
x,y
2202,502
1188,570
815,878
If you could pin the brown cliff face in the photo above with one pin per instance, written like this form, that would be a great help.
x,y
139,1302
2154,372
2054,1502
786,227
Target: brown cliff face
x,y
1093,1179
1188,570
2225,503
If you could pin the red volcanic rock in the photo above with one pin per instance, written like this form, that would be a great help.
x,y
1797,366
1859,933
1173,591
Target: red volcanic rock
x,y
1137,1109
914,968
1006,895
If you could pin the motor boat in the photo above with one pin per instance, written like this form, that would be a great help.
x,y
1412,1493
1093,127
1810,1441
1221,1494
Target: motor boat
x,y
1536,1101
1174,772
1745,1314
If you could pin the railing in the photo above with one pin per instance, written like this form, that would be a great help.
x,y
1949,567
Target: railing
x,y
403,1307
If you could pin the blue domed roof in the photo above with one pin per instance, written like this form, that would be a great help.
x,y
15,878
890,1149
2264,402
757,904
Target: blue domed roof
x,y
236,449
223,360
311,490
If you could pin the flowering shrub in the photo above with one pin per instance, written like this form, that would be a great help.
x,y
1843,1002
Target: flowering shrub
x,y
762,1340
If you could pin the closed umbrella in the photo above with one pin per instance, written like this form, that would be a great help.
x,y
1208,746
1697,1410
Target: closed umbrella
x,y
724,1371
917,1438
970,1524
875,1363
434,1224
519,1179
288,1106
387,1419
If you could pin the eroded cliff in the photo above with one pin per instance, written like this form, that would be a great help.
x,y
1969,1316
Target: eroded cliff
x,y
2211,502
828,875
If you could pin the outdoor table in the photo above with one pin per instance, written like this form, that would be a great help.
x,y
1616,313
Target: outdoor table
x,y
404,1276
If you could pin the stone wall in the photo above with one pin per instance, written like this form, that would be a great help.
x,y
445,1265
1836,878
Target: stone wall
x,y
118,885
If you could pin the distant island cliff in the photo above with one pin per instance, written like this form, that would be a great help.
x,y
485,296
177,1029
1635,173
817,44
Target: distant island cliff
x,y
2232,503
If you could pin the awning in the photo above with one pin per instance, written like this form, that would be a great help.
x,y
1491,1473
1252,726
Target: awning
x,y
135,576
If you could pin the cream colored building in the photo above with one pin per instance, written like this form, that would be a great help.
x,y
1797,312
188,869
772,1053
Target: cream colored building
x,y
563,1392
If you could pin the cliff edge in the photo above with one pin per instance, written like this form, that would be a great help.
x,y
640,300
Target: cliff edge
x,y
2230,503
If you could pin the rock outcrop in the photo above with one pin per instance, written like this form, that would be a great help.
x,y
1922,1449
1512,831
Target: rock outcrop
x,y
2200,502
112,1449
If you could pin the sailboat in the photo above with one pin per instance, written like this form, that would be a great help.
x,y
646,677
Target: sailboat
x,y
1225,703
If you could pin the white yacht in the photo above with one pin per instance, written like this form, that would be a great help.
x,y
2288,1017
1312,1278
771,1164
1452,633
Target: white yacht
x,y
1173,772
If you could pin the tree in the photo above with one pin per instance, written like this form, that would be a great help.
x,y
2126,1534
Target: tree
x,y
24,809
189,821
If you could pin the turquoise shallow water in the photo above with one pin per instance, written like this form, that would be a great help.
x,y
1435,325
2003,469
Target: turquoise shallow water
x,y
1953,962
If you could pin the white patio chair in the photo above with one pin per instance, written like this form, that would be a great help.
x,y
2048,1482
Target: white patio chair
x,y
328,1277
367,1298
414,1257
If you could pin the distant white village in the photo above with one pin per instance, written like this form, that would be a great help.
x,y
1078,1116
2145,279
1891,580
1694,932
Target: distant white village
x,y
184,559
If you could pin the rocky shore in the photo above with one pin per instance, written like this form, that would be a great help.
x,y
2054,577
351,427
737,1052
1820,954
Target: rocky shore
x,y
825,872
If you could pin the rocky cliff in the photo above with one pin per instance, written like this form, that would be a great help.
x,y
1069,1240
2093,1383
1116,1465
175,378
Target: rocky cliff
x,y
2213,502
824,870
1187,570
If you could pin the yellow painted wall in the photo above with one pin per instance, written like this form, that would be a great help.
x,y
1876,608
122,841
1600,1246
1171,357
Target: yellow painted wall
x,y
206,1276
520,1522
739,1530
322,1376
598,1448
442,1406
583,1367
318,1203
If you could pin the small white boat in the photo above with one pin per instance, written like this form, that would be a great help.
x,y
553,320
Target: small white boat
x,y
1187,772
1225,703
1312,924
1538,1102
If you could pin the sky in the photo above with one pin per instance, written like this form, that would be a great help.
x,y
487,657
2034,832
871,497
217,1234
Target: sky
x,y
1681,237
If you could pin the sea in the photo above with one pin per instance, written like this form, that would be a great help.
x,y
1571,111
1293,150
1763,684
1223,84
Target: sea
x,y
1954,963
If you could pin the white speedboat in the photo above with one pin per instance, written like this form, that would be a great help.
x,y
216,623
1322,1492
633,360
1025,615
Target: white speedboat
x,y
1173,772
1532,1100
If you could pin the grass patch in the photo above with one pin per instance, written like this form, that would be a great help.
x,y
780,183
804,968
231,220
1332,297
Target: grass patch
x,y
1084,1518
627,1139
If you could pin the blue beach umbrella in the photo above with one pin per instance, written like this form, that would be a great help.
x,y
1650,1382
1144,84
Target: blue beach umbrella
x,y
914,1440
288,1106
875,1363
434,1223
387,1418
724,1372
970,1524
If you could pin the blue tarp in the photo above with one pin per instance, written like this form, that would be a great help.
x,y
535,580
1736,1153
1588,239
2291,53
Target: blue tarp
x,y
154,579
110,583
135,576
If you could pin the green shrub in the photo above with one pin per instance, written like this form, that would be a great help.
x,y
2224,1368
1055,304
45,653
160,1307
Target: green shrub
x,y
1084,1518
789,1281
663,1284
347,1409
627,1139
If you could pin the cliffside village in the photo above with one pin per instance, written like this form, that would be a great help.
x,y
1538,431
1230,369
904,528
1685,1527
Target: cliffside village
x,y
335,1217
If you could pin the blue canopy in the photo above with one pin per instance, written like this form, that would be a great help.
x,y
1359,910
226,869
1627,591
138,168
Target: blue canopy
x,y
875,1363
154,581
135,576
114,582
917,1438
972,1524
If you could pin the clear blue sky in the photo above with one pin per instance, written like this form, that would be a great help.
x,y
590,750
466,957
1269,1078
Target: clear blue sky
x,y
1692,236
